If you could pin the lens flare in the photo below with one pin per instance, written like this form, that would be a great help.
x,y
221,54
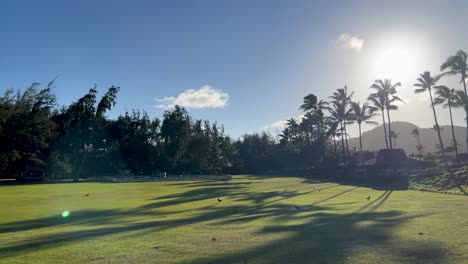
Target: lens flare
x,y
65,213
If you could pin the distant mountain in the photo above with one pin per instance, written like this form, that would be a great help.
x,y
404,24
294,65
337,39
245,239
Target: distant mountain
x,y
374,139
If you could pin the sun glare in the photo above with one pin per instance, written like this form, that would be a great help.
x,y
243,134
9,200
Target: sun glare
x,y
397,60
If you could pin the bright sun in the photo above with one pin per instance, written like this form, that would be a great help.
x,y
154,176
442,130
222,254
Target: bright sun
x,y
397,60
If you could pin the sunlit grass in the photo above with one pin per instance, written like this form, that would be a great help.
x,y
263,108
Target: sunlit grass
x,y
260,220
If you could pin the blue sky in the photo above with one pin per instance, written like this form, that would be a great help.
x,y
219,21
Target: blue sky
x,y
252,60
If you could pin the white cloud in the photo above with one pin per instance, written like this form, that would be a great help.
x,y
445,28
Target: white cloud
x,y
204,97
279,124
283,123
348,41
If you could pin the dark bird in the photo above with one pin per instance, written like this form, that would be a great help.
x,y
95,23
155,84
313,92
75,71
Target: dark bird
x,y
368,198
421,233
297,207
219,200
213,239
87,194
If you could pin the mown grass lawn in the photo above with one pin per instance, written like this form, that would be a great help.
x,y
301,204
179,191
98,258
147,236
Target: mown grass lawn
x,y
256,222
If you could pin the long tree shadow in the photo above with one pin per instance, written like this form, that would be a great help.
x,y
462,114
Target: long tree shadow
x,y
336,238
380,200
335,195
317,235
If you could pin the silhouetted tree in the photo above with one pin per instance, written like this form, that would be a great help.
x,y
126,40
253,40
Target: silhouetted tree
x,y
425,83
342,99
447,98
394,135
419,147
387,90
454,65
362,114
175,133
378,100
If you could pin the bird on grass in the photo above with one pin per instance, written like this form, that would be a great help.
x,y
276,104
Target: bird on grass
x,y
219,200
297,207
213,239
87,194
368,198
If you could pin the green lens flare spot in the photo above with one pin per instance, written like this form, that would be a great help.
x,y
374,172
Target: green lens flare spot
x,y
65,213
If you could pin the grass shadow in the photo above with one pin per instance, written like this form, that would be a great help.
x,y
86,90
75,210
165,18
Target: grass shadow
x,y
318,234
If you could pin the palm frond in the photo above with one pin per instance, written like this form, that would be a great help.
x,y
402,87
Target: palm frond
x,y
420,90
372,123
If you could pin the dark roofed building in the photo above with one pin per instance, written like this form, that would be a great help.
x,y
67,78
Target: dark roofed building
x,y
389,168
389,158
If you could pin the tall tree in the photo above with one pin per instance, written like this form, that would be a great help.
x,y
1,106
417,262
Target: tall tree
x,y
343,98
394,135
388,91
175,132
339,114
81,123
362,114
447,97
26,129
425,83
415,133
457,65
314,114
378,100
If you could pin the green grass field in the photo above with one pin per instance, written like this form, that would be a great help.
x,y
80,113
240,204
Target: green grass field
x,y
256,222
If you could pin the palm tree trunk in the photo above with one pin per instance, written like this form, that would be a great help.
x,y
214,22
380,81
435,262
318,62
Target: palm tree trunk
x,y
384,128
419,146
464,82
334,145
342,143
360,137
466,111
346,138
438,131
322,142
389,129
453,133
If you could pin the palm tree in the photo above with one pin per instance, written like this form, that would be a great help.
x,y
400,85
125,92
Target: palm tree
x,y
394,135
378,100
388,90
338,115
457,64
331,124
362,114
293,126
446,97
425,83
415,133
312,105
342,97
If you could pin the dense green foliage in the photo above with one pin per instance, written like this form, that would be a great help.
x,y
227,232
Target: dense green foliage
x,y
79,141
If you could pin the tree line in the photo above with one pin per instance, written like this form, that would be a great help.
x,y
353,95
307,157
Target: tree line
x,y
78,140
326,122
